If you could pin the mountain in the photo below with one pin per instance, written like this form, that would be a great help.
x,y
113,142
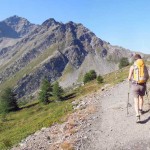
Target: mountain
x,y
15,27
52,50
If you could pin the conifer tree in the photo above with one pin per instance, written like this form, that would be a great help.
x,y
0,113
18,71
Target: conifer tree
x,y
8,101
123,62
45,92
57,91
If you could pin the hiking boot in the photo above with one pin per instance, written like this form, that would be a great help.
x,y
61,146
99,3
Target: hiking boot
x,y
141,111
138,119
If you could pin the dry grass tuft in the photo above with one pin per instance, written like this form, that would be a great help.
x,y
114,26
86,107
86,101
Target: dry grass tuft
x,y
71,121
67,146
91,109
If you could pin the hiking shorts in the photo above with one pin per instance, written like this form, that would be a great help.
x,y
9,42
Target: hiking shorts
x,y
138,89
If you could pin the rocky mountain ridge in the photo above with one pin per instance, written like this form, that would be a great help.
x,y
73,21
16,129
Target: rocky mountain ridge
x,y
15,27
52,50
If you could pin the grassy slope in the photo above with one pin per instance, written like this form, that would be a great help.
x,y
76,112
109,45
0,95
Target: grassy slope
x,y
30,119
33,117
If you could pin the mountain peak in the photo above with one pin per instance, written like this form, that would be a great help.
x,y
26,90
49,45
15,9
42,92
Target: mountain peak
x,y
19,25
15,19
14,16
50,22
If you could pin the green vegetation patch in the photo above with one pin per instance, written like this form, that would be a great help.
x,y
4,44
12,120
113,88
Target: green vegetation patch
x,y
123,62
29,119
117,76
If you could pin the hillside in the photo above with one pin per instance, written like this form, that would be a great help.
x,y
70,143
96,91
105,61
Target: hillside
x,y
81,102
52,50
101,122
34,116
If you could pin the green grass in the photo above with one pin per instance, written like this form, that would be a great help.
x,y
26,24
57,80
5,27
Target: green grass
x,y
80,77
68,70
117,76
15,57
34,116
111,78
31,118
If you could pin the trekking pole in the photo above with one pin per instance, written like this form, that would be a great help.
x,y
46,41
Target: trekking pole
x,y
147,96
128,98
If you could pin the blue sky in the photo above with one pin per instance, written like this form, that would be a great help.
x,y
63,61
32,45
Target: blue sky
x,y
124,23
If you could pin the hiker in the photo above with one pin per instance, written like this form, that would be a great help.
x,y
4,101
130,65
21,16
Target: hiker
x,y
138,75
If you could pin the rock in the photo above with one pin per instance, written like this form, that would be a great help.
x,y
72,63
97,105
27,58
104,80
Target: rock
x,y
43,129
102,89
85,137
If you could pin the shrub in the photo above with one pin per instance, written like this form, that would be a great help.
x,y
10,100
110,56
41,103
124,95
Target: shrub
x,y
123,62
100,79
91,75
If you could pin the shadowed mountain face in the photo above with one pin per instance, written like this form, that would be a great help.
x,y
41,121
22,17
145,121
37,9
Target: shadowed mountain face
x,y
53,50
15,27
6,31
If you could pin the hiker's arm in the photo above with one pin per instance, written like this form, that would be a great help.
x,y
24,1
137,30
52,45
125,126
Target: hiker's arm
x,y
130,73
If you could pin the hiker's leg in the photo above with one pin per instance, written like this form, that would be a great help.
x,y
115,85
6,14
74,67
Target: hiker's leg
x,y
141,102
135,89
141,95
136,105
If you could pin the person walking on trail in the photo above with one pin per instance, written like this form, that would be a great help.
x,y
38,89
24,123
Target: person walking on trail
x,y
138,75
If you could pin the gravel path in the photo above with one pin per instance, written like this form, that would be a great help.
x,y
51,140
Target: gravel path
x,y
110,128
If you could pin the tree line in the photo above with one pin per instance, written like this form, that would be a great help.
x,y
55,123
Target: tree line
x,y
48,93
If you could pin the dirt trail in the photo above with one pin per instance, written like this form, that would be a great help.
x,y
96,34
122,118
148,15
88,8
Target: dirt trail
x,y
111,128
107,128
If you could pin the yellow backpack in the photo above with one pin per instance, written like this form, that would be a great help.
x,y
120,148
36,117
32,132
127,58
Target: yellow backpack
x,y
140,72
